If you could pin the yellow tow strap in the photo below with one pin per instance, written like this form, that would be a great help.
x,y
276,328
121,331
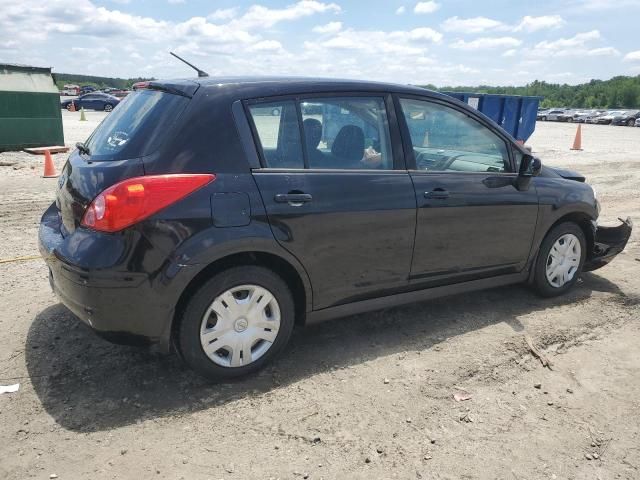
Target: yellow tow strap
x,y
20,259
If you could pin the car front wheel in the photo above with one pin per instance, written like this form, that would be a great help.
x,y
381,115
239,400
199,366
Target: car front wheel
x,y
236,322
108,107
560,259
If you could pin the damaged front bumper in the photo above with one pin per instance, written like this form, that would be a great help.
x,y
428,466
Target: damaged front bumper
x,y
609,242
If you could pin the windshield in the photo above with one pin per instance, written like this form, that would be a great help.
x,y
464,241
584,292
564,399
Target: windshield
x,y
136,126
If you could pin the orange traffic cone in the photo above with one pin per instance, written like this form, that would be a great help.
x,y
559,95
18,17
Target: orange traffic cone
x,y
577,142
73,106
49,167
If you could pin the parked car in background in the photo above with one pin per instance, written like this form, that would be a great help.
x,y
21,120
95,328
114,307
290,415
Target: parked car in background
x,y
392,194
120,93
542,113
552,115
595,117
92,101
70,90
87,89
586,115
608,117
627,119
638,122
140,85
571,115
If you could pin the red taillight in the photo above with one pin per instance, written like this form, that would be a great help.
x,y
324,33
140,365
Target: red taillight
x,y
132,200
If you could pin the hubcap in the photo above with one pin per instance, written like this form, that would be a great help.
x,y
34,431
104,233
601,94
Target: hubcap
x,y
563,260
240,326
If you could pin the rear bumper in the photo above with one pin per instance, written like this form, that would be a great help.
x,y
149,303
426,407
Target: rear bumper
x,y
119,304
609,242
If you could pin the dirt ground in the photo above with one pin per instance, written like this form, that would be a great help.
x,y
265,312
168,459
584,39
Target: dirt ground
x,y
368,397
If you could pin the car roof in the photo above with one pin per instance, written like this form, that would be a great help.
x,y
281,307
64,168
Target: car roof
x,y
250,86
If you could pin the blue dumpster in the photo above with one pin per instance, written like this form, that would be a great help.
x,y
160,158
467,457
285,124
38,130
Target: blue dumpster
x,y
516,114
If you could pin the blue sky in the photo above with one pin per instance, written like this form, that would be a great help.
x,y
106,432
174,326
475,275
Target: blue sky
x,y
444,42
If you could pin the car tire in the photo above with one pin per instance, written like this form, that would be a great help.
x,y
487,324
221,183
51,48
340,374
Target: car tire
x,y
218,315
570,120
552,281
69,106
631,122
544,119
108,107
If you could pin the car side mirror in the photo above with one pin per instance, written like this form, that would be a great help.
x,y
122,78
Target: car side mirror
x,y
530,167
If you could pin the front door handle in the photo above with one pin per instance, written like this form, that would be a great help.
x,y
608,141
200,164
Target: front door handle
x,y
437,194
295,199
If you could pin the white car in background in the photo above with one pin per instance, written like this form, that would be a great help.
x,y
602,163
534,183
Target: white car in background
x,y
552,115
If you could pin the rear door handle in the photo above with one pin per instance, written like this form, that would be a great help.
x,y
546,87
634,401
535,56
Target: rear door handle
x,y
293,198
437,194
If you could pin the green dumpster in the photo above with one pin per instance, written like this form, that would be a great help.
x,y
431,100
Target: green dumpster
x,y
29,108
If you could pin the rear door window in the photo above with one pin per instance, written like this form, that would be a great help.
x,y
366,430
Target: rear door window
x,y
347,133
137,126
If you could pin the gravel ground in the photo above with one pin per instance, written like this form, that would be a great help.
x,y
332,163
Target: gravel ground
x,y
369,396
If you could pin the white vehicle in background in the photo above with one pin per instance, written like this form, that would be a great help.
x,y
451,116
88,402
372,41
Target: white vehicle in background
x,y
638,122
608,118
70,90
552,115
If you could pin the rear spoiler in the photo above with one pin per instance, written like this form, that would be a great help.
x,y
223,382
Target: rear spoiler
x,y
185,88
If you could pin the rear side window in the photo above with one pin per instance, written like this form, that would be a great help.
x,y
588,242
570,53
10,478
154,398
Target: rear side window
x,y
347,133
277,127
137,126
344,133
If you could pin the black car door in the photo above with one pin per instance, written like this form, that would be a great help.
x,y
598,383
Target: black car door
x,y
472,222
336,191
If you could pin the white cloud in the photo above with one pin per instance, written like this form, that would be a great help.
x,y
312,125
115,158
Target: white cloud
x,y
266,46
401,10
608,4
470,25
510,53
264,17
223,14
426,7
566,47
483,24
425,33
487,43
632,56
604,52
172,2
533,24
331,27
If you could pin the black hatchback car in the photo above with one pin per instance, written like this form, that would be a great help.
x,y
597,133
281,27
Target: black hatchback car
x,y
214,215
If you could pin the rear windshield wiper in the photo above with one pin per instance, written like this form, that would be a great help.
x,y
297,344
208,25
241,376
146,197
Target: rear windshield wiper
x,y
83,148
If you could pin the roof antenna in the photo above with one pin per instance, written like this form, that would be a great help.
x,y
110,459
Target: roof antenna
x,y
201,73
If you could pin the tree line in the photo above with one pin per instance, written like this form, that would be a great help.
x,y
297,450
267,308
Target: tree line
x,y
618,92
99,82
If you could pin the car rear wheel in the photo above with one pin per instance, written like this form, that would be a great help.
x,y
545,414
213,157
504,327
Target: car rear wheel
x,y
108,107
560,259
69,106
631,122
236,322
